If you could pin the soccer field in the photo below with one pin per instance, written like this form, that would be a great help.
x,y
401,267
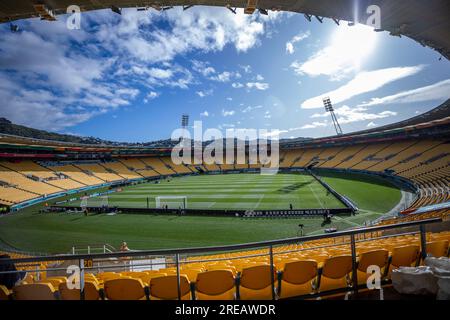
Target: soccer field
x,y
229,191
30,230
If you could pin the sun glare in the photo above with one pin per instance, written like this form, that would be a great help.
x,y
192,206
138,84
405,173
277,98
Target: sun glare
x,y
354,44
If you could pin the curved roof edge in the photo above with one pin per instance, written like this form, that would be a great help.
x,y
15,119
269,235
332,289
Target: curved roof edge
x,y
426,22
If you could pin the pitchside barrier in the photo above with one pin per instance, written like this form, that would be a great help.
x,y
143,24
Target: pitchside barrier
x,y
101,262
209,212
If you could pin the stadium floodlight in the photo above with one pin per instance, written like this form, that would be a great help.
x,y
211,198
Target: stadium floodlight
x,y
263,11
187,7
320,19
184,121
308,17
116,9
329,108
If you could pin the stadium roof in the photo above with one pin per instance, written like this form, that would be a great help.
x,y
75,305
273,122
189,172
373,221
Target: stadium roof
x,y
424,21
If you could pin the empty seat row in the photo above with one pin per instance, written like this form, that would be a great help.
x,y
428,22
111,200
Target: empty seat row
x,y
292,278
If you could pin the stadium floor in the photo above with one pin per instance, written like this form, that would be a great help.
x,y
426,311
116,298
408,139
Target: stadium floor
x,y
29,230
228,191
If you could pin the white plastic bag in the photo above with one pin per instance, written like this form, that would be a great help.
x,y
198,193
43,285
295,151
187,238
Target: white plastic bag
x,y
441,270
414,280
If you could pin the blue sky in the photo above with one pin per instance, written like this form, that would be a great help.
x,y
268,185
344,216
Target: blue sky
x,y
131,77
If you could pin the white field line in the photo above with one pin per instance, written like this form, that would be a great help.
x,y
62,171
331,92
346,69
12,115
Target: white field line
x,y
315,195
259,201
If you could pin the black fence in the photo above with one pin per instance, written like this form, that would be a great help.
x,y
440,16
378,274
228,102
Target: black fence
x,y
205,212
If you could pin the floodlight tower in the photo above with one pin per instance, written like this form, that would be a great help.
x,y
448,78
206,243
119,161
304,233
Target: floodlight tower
x,y
184,125
184,121
329,108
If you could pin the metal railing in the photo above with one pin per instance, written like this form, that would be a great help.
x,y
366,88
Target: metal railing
x,y
269,245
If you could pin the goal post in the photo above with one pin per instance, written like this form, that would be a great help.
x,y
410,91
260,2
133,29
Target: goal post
x,y
172,202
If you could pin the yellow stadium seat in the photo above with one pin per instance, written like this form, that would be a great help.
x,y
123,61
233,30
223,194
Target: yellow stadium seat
x,y
34,291
335,273
215,285
296,278
404,256
104,276
191,273
256,283
438,248
91,291
54,281
378,258
4,293
124,289
165,288
145,277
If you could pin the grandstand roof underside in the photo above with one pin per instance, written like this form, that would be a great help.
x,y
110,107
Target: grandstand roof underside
x,y
424,21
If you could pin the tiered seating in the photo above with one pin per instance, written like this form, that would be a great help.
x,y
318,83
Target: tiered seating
x,y
443,214
29,168
77,175
327,155
425,162
20,181
300,270
99,171
306,157
362,154
346,157
121,170
10,195
139,166
211,167
158,166
178,168
288,158
400,151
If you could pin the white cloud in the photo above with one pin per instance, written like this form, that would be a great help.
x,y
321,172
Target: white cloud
x,y
259,77
273,134
227,113
258,85
290,44
237,85
223,77
371,124
204,114
203,67
346,114
246,68
62,78
150,96
363,82
205,93
230,99
249,108
437,91
345,54
315,124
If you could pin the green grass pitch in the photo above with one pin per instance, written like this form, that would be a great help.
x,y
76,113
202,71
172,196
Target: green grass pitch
x,y
229,191
29,230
